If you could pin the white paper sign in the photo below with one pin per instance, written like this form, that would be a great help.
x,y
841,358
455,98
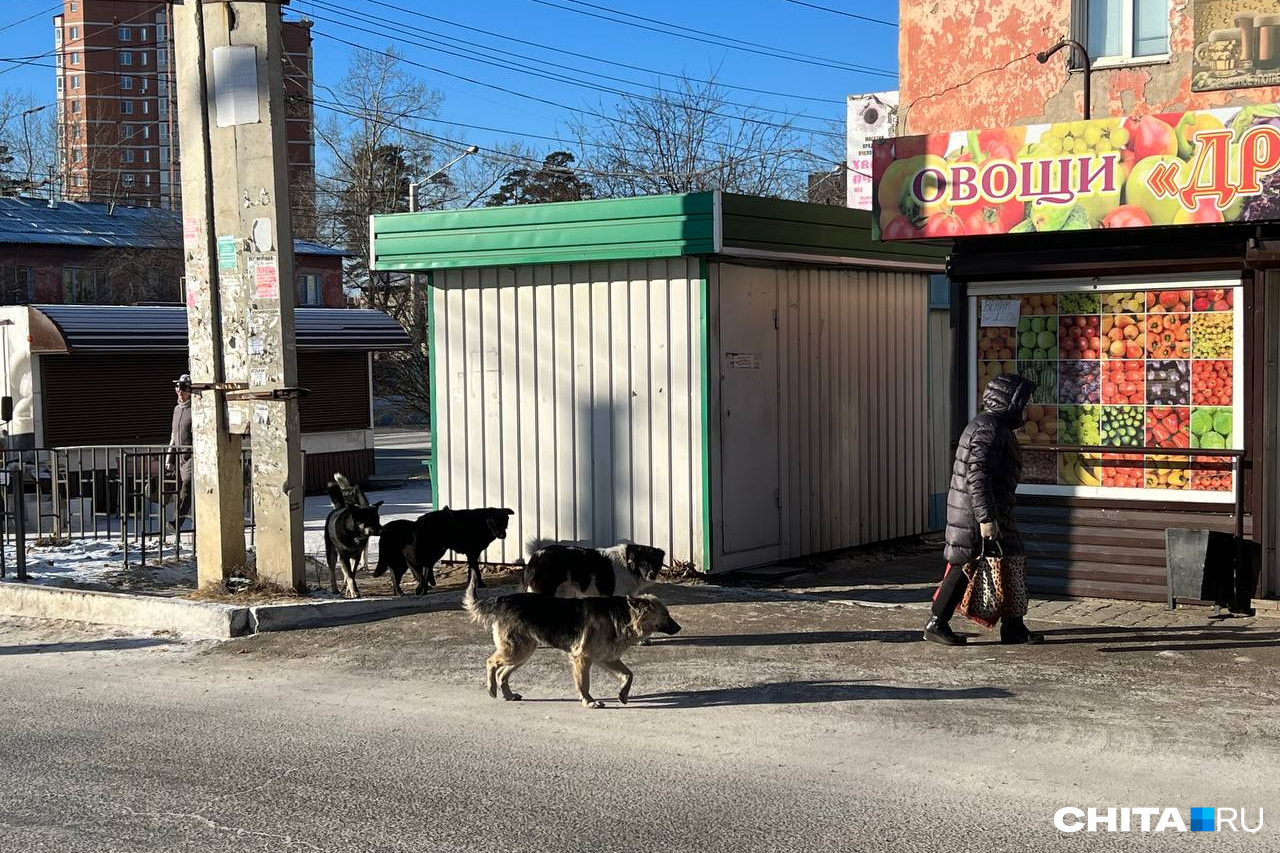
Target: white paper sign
x,y
235,84
1000,313
869,117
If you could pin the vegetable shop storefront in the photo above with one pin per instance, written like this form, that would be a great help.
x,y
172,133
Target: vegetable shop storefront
x,y
1136,283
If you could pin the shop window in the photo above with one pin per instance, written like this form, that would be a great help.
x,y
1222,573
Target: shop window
x,y
1117,366
310,290
1120,31
81,285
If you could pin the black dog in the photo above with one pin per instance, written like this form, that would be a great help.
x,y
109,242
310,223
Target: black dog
x,y
467,531
346,535
397,551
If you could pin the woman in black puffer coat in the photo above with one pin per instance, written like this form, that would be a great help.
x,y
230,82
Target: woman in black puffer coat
x,y
984,480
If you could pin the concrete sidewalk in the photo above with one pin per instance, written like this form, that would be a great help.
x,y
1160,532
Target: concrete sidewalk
x,y
904,576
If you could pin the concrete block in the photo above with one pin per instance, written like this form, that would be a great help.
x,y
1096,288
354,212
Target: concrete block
x,y
321,614
196,619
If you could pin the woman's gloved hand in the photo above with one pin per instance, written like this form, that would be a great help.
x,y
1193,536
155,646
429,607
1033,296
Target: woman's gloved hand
x,y
989,530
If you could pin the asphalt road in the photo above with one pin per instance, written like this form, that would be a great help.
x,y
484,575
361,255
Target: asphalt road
x,y
766,725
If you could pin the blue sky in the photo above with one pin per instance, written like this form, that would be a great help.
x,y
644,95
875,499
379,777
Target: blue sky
x,y
768,23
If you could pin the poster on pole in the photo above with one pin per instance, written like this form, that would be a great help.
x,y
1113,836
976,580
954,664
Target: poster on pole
x,y
871,117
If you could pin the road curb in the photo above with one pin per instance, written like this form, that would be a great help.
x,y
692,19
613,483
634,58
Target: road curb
x,y
195,619
265,618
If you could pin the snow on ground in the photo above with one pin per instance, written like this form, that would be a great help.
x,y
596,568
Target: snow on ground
x,y
99,563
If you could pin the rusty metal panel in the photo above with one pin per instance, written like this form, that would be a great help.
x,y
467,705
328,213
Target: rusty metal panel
x,y
570,393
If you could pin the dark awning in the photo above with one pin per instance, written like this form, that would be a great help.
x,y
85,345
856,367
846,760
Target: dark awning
x,y
125,327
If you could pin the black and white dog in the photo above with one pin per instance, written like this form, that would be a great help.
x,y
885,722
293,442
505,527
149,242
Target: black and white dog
x,y
346,535
573,571
353,495
466,531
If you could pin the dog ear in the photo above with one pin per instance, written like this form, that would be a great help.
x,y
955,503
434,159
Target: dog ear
x,y
509,511
378,504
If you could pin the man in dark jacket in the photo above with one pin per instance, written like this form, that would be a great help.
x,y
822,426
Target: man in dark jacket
x,y
180,437
984,479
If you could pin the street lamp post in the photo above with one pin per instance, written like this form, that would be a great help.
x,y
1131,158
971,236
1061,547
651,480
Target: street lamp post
x,y
1043,56
413,187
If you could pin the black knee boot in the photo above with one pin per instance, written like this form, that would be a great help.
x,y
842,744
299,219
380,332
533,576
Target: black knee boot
x,y
950,594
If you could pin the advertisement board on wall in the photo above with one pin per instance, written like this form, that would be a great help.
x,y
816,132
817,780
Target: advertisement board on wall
x,y
1156,364
1189,168
1237,46
870,117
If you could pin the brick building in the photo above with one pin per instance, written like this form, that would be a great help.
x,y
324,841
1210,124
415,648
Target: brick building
x,y
117,124
90,253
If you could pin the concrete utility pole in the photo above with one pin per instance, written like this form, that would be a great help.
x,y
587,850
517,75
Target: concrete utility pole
x,y
238,243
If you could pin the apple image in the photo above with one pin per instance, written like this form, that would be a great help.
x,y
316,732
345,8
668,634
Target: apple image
x,y
1206,212
1117,348
1161,211
1151,137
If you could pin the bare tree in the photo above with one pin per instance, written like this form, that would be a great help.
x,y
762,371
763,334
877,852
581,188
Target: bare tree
x,y
687,139
27,142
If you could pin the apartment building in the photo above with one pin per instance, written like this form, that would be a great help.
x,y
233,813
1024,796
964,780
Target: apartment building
x,y
118,127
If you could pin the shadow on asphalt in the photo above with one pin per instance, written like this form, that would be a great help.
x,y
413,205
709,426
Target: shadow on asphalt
x,y
809,692
112,645
794,638
1181,638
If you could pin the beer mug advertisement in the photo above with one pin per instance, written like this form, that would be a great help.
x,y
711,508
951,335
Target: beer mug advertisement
x,y
1187,168
1237,45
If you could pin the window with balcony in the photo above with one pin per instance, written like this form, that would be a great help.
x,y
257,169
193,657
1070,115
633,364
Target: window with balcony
x,y
1119,32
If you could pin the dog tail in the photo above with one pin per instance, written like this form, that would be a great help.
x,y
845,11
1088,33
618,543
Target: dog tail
x,y
481,612
336,496
383,564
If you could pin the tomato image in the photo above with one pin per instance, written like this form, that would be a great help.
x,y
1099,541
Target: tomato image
x,y
988,217
900,228
943,225
1127,216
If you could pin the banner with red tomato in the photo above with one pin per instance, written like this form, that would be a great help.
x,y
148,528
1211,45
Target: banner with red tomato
x,y
1199,167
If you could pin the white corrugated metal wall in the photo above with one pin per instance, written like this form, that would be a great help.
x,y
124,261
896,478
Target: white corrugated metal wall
x,y
853,404
572,393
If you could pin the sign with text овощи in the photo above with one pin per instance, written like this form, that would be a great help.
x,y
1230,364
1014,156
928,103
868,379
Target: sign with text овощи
x,y
1199,167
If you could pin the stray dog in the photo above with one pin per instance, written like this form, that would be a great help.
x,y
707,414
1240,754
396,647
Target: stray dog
x,y
467,531
591,630
346,536
354,496
397,551
571,571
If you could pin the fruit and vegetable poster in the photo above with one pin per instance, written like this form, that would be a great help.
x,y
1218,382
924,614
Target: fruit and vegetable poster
x,y
1189,168
1124,368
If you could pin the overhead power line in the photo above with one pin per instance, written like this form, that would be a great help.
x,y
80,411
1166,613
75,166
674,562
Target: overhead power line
x,y
578,54
866,18
690,34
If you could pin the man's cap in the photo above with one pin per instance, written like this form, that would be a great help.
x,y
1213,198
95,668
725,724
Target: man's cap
x,y
183,381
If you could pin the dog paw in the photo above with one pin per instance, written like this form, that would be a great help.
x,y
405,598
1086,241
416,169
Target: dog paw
x,y
595,703
622,697
646,642
513,697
